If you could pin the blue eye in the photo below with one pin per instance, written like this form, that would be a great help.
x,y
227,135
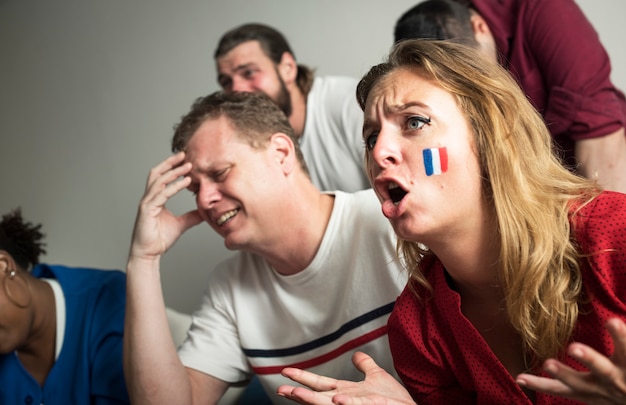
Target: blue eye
x,y
417,122
370,141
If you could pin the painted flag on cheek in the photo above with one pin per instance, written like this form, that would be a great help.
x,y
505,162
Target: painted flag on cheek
x,y
435,160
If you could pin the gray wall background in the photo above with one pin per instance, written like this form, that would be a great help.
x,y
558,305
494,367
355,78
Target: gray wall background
x,y
90,90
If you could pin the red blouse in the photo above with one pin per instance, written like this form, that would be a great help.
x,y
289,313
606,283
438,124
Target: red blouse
x,y
442,358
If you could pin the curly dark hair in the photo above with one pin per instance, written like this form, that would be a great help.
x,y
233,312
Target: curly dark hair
x,y
22,240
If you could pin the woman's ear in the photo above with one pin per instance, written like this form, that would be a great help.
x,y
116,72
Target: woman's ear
x,y
288,68
6,262
16,286
284,151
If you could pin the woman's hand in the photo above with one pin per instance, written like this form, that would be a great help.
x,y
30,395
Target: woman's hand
x,y
604,383
378,387
156,228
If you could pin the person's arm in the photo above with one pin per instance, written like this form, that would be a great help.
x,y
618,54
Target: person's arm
x,y
604,383
604,159
378,387
582,103
154,372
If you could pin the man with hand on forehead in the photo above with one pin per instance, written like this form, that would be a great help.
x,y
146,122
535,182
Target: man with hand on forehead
x,y
315,277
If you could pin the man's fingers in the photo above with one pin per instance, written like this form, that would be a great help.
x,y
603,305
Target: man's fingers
x,y
304,396
167,184
364,363
309,379
167,172
165,166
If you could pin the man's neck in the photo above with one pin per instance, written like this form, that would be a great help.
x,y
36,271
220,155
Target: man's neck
x,y
297,119
302,241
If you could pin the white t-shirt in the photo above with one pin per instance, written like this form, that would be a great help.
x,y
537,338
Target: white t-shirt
x,y
254,320
332,142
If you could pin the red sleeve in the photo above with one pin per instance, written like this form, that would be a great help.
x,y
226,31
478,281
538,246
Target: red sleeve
x,y
557,56
576,71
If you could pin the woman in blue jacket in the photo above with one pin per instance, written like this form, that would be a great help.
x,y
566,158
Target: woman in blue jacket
x,y
61,328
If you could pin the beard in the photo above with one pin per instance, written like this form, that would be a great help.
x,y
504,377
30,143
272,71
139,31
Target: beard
x,y
282,98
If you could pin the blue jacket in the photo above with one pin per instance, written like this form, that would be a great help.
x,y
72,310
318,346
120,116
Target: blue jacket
x,y
89,368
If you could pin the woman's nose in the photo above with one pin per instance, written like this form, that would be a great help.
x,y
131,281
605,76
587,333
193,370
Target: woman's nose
x,y
386,150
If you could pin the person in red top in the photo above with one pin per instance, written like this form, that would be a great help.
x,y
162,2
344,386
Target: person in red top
x,y
556,56
517,289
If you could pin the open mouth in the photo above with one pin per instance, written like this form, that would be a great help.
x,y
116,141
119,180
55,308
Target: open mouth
x,y
396,193
227,216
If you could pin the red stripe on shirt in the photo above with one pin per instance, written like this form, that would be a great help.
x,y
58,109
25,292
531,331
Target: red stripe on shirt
x,y
361,340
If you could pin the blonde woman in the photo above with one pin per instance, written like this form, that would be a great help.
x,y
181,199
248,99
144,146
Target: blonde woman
x,y
517,290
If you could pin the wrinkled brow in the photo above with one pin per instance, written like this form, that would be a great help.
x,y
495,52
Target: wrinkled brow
x,y
391,109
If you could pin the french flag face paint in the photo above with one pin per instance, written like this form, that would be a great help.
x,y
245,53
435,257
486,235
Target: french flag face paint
x,y
435,160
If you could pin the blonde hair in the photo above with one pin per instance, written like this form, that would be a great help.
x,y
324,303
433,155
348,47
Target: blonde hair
x,y
531,193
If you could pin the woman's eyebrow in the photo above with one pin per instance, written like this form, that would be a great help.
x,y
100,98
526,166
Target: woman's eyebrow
x,y
406,106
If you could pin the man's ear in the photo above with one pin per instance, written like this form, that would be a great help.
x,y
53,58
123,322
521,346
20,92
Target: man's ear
x,y
284,152
288,68
479,25
483,36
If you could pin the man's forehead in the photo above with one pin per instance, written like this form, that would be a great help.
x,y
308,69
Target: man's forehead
x,y
210,142
246,52
214,132
220,124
